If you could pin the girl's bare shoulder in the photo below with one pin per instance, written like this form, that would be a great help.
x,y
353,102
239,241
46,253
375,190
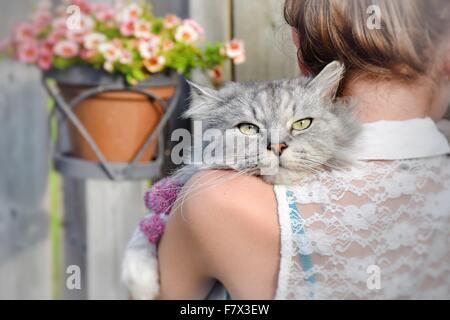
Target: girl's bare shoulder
x,y
233,219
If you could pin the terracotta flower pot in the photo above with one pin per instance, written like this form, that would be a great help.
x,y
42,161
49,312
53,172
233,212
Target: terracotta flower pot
x,y
119,122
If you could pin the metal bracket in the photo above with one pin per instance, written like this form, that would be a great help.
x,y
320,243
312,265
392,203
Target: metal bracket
x,y
103,169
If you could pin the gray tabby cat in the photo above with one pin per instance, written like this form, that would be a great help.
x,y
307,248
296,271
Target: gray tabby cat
x,y
299,122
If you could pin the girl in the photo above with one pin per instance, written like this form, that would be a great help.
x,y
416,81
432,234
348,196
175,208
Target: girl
x,y
378,230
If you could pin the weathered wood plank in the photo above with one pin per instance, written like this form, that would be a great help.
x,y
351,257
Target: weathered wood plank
x,y
25,264
215,17
270,52
113,211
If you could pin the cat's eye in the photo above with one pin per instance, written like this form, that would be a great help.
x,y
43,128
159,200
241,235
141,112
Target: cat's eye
x,y
302,124
248,129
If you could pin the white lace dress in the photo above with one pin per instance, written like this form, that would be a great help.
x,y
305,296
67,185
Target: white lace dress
x,y
380,230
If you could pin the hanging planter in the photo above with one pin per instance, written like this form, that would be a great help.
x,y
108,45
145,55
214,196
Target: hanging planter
x,y
119,122
125,49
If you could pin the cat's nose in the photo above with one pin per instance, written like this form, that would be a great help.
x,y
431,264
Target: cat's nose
x,y
277,148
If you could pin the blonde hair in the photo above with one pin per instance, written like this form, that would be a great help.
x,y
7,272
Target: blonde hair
x,y
403,46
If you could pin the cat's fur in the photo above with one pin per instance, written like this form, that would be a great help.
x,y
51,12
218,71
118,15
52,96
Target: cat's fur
x,y
326,144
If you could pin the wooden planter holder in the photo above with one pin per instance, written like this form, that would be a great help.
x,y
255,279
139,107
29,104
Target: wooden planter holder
x,y
100,83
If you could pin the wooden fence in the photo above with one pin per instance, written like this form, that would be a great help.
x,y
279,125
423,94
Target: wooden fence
x,y
98,216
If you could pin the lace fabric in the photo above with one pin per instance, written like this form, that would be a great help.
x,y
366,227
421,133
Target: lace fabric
x,y
384,219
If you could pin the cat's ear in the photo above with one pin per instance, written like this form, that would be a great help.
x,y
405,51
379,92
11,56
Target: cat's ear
x,y
328,80
204,92
202,100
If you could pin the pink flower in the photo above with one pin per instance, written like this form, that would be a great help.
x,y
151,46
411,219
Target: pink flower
x,y
162,195
127,28
148,48
45,58
93,40
216,74
194,25
152,227
66,49
103,11
86,54
110,52
155,63
60,24
108,66
76,35
48,45
171,21
126,57
41,20
186,33
131,12
28,52
167,45
23,32
235,50
142,30
56,36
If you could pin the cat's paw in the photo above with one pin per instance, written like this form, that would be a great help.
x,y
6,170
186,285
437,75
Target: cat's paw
x,y
140,268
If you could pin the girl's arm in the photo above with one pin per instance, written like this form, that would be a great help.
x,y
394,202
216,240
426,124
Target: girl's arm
x,y
226,231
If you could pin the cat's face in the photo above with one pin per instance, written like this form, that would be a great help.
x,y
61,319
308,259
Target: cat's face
x,y
282,129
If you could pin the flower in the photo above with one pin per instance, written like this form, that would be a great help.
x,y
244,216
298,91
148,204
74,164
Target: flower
x,y
66,49
152,227
127,28
167,45
155,63
108,66
171,21
235,50
194,25
131,12
142,30
86,54
55,36
216,74
41,20
110,52
75,35
186,33
59,26
23,32
93,40
45,58
126,57
103,11
28,52
86,23
148,48
125,38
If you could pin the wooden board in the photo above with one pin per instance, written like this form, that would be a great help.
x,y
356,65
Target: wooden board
x,y
270,52
25,262
215,17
